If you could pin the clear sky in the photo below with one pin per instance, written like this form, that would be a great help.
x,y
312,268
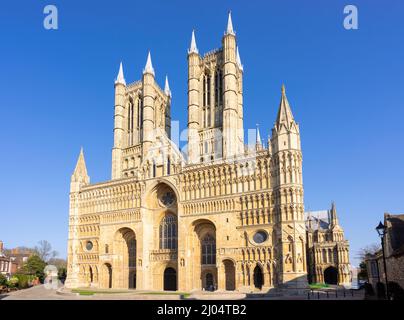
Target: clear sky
x,y
345,88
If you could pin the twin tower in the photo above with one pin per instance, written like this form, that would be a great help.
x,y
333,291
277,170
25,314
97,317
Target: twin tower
x,y
215,110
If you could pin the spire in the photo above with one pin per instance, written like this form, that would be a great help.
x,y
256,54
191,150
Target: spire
x,y
120,78
258,138
149,67
258,141
80,171
284,113
167,90
333,213
239,60
193,48
229,29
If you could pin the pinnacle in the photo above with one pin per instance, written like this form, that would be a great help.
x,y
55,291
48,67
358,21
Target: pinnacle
x,y
149,66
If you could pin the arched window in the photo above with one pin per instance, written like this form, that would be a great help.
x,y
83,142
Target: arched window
x,y
168,232
208,250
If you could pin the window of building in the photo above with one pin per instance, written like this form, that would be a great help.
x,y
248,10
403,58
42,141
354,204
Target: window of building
x,y
168,232
132,252
208,250
261,236
89,245
168,166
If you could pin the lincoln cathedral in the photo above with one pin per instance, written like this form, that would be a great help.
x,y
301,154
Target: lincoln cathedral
x,y
219,214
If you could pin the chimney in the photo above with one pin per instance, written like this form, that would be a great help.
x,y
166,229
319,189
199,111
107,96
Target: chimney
x,y
1,246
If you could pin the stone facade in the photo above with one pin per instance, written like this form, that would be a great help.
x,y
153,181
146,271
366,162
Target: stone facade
x,y
221,215
327,248
394,251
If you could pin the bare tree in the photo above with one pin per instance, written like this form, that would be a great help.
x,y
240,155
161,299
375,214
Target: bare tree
x,y
370,249
44,250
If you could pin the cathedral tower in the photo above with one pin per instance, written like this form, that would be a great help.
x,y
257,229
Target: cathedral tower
x,y
215,103
288,190
78,180
142,115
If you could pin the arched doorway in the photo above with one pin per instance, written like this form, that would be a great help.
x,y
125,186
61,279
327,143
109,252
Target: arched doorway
x,y
209,282
106,276
331,275
230,274
91,275
258,278
170,279
125,264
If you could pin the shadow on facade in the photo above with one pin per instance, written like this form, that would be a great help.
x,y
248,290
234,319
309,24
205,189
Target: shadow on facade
x,y
296,287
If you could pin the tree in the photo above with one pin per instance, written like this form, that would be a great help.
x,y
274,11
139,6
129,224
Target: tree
x,y
44,250
34,266
361,255
370,249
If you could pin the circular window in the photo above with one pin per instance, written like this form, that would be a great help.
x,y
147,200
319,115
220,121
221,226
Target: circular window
x,y
89,245
168,199
260,237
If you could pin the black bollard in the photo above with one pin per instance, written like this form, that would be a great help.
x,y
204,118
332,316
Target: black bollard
x,y
327,294
318,295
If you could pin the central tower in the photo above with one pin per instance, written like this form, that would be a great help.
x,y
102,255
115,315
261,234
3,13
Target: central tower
x,y
215,101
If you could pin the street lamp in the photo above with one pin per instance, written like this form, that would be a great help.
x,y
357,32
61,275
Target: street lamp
x,y
381,230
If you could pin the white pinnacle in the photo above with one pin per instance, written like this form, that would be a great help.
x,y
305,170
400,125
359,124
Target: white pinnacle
x,y
167,90
149,67
229,25
258,139
239,60
120,78
193,48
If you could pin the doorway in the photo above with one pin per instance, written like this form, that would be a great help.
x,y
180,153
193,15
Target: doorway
x,y
170,279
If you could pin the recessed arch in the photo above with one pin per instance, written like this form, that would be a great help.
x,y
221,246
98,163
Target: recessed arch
x,y
125,251
331,275
258,277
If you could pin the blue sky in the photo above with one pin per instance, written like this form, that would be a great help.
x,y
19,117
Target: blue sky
x,y
345,89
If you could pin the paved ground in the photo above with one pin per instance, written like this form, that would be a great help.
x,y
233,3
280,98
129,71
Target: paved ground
x,y
41,293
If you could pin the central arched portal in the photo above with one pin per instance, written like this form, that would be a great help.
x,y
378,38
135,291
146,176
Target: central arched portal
x,y
170,279
331,275
125,263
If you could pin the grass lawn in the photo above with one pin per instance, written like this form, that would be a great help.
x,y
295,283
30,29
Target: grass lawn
x,y
86,292
318,285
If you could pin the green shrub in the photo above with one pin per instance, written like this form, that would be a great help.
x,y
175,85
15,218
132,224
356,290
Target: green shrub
x,y
3,280
13,282
24,280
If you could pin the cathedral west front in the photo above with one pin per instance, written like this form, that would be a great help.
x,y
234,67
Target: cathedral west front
x,y
221,215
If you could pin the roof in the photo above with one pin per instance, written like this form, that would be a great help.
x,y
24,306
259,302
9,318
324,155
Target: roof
x,y
317,220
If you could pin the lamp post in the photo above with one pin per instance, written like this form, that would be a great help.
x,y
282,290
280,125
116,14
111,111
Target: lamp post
x,y
381,230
